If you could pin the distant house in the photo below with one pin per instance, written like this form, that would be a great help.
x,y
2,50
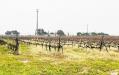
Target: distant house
x,y
12,33
53,34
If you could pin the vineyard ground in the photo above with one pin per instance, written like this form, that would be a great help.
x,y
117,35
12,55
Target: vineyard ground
x,y
74,61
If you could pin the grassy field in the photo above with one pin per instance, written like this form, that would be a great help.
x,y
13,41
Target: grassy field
x,y
74,61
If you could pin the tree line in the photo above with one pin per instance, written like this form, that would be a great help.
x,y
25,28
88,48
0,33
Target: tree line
x,y
58,33
91,33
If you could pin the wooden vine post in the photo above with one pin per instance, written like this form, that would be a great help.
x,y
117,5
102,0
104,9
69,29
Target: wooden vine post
x,y
16,52
59,39
101,42
49,42
59,44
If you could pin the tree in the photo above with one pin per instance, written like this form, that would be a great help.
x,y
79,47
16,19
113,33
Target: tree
x,y
12,33
52,33
101,33
60,33
93,33
79,33
15,32
8,33
41,32
85,33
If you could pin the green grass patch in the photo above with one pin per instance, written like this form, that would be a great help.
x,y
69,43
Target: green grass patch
x,y
4,50
24,48
86,63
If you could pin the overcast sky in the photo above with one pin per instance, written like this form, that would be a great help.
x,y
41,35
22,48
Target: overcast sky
x,y
69,15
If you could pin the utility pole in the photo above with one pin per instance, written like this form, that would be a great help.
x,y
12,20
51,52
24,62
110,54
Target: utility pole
x,y
87,29
37,11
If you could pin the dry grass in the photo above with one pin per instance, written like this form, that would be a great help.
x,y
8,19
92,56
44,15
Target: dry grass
x,y
74,61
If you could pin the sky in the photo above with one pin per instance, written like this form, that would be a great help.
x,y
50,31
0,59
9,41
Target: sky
x,y
71,16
